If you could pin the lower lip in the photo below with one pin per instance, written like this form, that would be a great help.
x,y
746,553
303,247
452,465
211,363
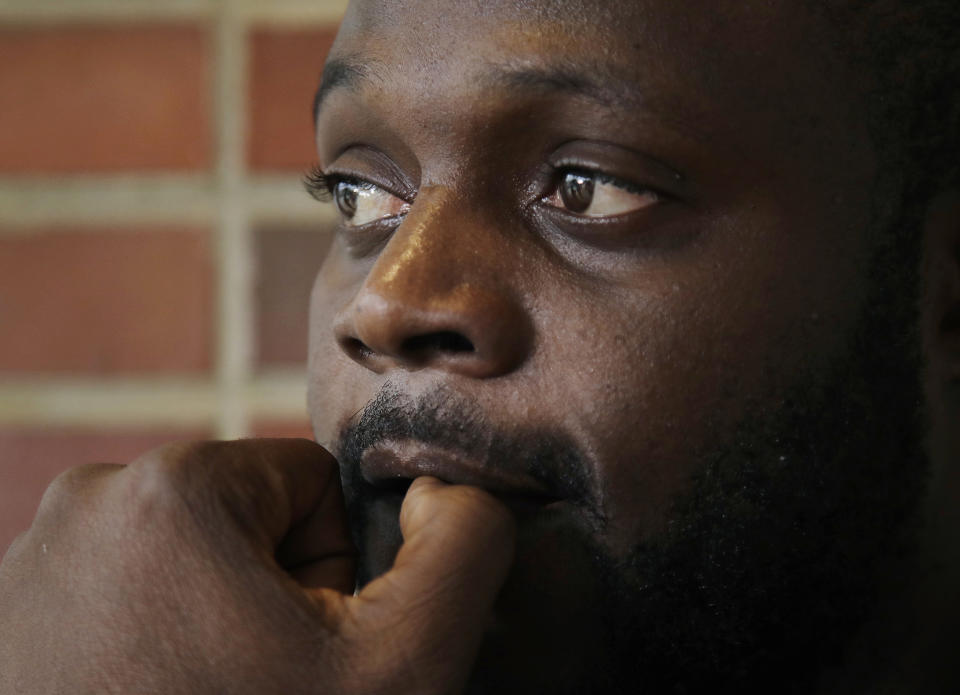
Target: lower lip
x,y
392,461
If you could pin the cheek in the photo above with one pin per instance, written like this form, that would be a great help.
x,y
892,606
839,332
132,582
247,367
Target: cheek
x,y
668,367
334,383
635,401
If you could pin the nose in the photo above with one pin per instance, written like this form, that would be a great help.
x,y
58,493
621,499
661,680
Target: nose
x,y
438,297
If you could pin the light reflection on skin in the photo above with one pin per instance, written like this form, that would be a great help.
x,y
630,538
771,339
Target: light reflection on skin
x,y
416,244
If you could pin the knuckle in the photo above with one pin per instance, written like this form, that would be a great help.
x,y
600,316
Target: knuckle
x,y
166,479
70,488
202,484
16,548
151,486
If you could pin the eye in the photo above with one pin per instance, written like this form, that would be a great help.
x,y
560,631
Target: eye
x,y
361,202
592,194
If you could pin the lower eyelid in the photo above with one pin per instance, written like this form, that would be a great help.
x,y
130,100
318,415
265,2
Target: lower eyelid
x,y
365,240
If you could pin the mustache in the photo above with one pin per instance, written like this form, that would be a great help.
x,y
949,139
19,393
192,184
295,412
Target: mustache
x,y
449,421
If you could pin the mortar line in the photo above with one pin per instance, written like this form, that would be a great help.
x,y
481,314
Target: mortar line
x,y
132,202
228,200
143,401
279,12
234,354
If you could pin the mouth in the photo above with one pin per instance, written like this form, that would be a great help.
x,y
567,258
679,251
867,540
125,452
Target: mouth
x,y
391,466
539,485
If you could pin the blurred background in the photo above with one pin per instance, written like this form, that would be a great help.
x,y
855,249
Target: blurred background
x,y
156,245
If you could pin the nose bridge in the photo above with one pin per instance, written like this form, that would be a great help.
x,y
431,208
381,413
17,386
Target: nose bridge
x,y
431,252
437,296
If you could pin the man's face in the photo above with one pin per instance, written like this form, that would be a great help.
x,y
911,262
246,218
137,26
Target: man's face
x,y
610,261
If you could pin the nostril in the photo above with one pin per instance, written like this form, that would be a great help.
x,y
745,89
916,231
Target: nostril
x,y
357,349
440,341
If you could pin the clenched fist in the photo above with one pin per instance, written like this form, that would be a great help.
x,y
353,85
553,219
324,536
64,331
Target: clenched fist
x,y
227,567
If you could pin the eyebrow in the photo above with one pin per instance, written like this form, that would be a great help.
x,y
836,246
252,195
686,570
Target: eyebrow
x,y
346,73
610,90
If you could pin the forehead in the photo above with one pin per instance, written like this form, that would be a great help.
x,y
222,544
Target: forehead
x,y
692,40
632,21
709,69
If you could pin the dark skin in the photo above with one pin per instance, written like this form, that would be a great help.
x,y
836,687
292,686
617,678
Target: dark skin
x,y
721,265
742,280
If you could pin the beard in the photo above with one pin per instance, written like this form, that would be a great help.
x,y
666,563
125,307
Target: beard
x,y
788,539
796,523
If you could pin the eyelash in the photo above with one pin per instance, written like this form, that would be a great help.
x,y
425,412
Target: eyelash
x,y
320,186
560,172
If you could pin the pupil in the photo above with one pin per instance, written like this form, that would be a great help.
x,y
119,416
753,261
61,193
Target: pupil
x,y
346,197
576,191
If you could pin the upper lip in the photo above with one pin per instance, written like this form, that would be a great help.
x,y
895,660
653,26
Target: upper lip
x,y
392,463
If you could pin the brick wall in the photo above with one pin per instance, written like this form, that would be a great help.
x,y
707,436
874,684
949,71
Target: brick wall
x,y
156,248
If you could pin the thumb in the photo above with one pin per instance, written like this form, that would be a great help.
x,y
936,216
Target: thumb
x,y
427,614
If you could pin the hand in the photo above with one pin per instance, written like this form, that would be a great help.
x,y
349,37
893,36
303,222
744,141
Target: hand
x,y
227,568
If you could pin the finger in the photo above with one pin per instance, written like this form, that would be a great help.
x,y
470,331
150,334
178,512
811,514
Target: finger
x,y
73,490
267,487
437,599
318,552
337,572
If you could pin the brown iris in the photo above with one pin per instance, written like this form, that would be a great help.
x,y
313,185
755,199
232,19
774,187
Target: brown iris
x,y
576,191
345,195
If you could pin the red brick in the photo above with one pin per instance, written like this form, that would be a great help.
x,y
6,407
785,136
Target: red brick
x,y
285,71
105,302
288,261
300,429
99,99
30,459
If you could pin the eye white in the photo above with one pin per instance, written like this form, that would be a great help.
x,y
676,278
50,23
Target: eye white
x,y
361,202
589,194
